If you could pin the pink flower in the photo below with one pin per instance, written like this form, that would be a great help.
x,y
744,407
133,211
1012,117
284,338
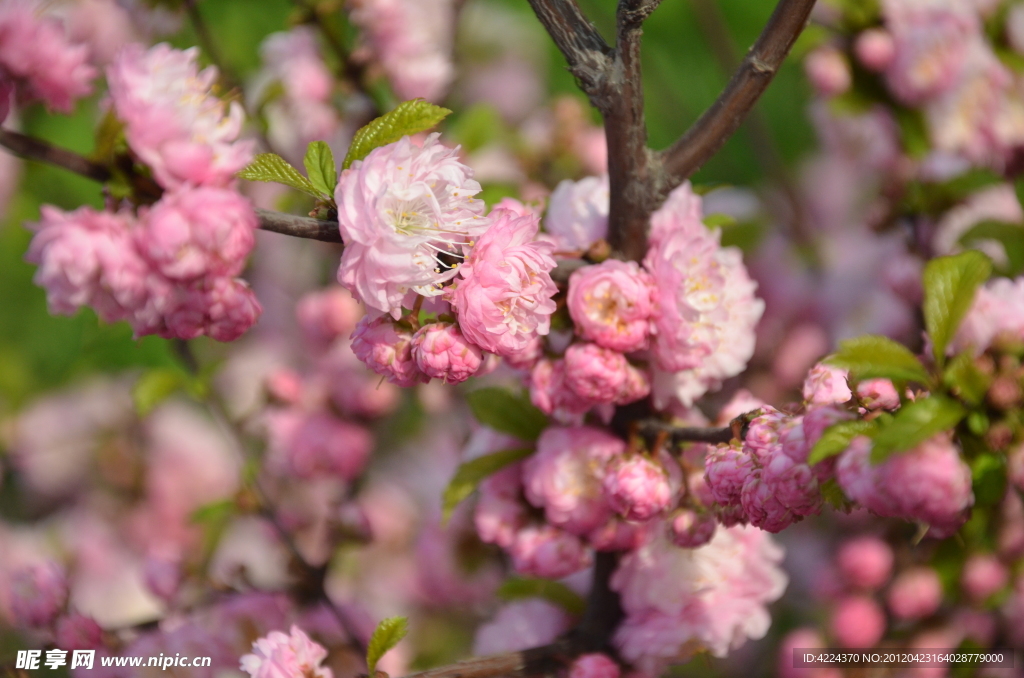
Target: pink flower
x,y
689,529
762,507
857,621
997,313
865,562
231,308
550,393
327,315
196,232
726,471
172,121
503,295
578,213
280,655
679,600
878,394
500,512
875,49
37,55
827,69
595,665
704,329
77,632
983,575
520,625
405,212
38,594
638,489
826,385
565,476
86,258
310,445
386,349
595,373
548,552
611,304
441,352
792,483
915,594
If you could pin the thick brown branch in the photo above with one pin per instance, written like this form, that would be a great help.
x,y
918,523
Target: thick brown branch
x,y
583,47
718,123
34,149
686,434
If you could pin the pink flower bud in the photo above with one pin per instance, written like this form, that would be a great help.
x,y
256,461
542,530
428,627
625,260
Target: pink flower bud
x,y
595,373
726,470
878,394
327,315
38,594
77,632
828,71
231,309
983,575
443,353
594,665
875,48
285,385
865,562
915,594
387,350
611,304
763,437
857,621
762,508
550,393
690,530
794,485
548,552
826,385
638,488
278,654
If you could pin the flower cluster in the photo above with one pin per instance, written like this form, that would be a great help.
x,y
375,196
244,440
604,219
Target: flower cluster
x,y
170,268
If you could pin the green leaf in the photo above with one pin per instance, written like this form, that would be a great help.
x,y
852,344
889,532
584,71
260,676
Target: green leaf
x,y
915,423
507,412
553,591
409,117
914,131
837,437
470,474
873,357
965,380
1009,235
320,168
833,495
155,386
387,634
949,287
988,473
719,220
272,167
1018,188
213,512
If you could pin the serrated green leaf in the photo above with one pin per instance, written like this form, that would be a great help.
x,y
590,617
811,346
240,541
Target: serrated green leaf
x,y
273,168
470,474
837,437
553,591
507,412
155,386
320,168
409,117
915,423
873,357
949,287
1009,235
389,632
965,380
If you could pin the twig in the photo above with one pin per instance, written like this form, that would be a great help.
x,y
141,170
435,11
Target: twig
x,y
299,227
758,69
686,434
34,149
588,55
532,662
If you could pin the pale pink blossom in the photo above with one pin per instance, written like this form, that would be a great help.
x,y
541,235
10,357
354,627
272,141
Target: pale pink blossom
x,y
172,120
327,315
195,232
997,312
595,665
611,304
875,49
828,71
311,445
401,210
865,562
916,593
595,373
550,392
578,213
441,352
520,625
39,59
680,600
857,621
386,349
805,639
280,655
504,293
638,489
38,593
826,385
878,394
565,475
983,575
704,330
548,552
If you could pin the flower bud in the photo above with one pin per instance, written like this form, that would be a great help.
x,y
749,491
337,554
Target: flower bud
x,y
441,352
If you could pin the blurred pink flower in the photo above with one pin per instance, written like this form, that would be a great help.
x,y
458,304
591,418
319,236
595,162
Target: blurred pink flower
x,y
280,655
826,385
865,562
857,621
595,665
916,593
638,489
578,213
520,625
548,552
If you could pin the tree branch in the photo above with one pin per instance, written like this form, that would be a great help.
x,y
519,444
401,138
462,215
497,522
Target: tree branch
x,y
686,434
584,48
299,227
35,149
758,69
